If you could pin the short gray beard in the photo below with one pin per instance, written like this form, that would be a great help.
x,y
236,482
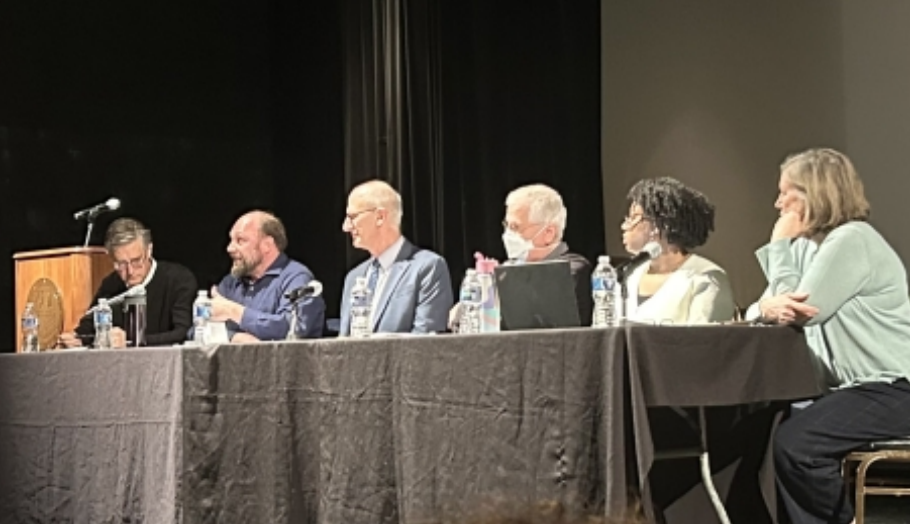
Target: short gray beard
x,y
243,267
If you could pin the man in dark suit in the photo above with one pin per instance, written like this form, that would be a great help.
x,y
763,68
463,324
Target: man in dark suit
x,y
411,288
170,289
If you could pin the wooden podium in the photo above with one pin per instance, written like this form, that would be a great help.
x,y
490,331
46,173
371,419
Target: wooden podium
x,y
60,283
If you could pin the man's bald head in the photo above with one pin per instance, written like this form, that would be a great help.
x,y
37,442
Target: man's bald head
x,y
378,194
267,225
373,216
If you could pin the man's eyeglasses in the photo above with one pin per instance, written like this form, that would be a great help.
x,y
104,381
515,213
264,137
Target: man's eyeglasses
x,y
351,217
512,226
135,263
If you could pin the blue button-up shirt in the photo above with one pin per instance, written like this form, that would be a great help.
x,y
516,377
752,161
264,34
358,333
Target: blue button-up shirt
x,y
267,313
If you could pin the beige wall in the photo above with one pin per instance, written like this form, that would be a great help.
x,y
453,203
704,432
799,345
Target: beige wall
x,y
877,80
716,93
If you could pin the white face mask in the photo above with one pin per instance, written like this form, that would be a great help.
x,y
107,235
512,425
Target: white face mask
x,y
517,247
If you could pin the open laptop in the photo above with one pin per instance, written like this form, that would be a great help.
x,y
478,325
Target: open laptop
x,y
537,295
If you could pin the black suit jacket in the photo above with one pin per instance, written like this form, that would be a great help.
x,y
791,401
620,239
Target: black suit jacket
x,y
169,298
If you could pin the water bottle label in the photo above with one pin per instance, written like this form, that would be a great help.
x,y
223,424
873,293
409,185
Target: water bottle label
x,y
602,284
360,301
203,311
103,318
470,295
30,323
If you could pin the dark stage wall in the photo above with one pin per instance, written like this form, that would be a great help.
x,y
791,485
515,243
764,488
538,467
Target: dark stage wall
x,y
193,112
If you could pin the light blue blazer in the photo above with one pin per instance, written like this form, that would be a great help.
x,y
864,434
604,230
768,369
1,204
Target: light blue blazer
x,y
416,297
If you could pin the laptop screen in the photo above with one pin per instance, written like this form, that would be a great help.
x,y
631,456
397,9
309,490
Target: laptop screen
x,y
537,295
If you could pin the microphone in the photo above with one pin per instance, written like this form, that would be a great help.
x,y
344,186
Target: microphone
x,y
312,289
651,251
134,291
90,213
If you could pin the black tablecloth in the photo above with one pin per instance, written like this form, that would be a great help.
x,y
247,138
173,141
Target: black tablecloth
x,y
677,366
383,430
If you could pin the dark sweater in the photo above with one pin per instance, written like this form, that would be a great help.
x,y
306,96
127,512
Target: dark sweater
x,y
169,311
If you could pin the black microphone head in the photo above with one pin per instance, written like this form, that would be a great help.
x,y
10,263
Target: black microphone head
x,y
312,289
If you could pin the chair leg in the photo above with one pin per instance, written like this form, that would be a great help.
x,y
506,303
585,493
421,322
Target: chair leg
x,y
859,506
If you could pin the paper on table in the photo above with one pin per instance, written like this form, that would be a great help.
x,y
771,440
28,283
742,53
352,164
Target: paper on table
x,y
216,333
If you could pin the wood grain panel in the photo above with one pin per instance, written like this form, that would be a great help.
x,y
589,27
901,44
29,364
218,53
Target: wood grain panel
x,y
76,272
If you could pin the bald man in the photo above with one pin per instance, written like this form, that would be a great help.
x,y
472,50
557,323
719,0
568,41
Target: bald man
x,y
251,300
412,290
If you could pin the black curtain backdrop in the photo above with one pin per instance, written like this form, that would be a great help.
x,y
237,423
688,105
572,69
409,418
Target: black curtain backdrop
x,y
193,113
521,104
458,102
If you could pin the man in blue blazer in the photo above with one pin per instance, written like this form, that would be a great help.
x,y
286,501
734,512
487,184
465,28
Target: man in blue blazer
x,y
412,290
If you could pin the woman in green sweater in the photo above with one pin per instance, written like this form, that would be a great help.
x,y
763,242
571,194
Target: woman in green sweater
x,y
832,272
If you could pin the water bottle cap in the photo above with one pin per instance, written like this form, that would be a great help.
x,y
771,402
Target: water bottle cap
x,y
603,259
102,301
360,281
203,293
471,272
485,265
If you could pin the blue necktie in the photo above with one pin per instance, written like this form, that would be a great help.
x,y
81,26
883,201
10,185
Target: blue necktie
x,y
373,276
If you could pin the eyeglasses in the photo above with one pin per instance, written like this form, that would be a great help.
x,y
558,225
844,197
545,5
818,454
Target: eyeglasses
x,y
351,217
632,221
135,263
512,226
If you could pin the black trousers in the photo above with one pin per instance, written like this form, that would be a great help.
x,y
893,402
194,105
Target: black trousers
x,y
809,447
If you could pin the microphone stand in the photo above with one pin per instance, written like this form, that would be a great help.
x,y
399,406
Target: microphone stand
x,y
295,319
91,225
621,276
90,218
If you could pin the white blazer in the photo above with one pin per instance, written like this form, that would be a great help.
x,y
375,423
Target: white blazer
x,y
698,292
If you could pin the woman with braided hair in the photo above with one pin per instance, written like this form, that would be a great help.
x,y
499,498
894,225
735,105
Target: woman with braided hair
x,y
677,286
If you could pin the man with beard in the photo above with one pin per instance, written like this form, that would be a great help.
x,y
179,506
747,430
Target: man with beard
x,y
251,300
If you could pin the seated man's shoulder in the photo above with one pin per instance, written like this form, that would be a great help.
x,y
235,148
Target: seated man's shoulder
x,y
576,262
296,267
427,255
429,260
176,270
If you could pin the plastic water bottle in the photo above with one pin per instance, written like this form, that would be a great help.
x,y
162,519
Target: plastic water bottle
x,y
29,330
103,324
605,290
489,307
470,298
361,308
202,312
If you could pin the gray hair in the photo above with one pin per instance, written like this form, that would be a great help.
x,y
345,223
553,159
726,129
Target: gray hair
x,y
379,194
544,205
125,231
